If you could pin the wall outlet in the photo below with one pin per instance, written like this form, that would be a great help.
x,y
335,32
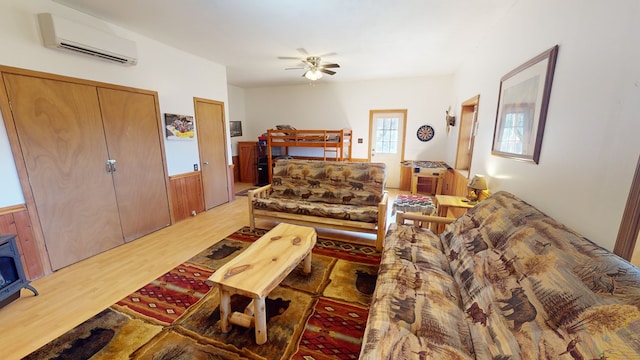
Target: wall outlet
x,y
195,167
359,140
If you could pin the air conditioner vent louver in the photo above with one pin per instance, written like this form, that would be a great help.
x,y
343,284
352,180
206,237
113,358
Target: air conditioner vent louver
x,y
93,53
66,35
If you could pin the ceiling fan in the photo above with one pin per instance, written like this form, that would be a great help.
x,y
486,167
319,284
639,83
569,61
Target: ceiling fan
x,y
313,66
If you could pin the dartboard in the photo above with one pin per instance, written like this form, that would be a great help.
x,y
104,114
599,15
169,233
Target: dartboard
x,y
425,133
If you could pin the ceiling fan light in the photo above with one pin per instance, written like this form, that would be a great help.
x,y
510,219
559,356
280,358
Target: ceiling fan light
x,y
313,75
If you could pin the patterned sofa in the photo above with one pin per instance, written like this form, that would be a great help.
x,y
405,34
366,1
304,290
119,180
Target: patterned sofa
x,y
340,195
504,281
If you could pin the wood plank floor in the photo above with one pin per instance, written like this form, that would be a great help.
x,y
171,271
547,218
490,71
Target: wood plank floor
x,y
75,293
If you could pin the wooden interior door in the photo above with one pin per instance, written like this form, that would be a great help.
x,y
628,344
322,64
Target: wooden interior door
x,y
131,124
212,144
628,241
466,135
59,128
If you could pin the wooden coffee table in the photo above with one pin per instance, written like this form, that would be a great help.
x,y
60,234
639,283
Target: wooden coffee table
x,y
258,270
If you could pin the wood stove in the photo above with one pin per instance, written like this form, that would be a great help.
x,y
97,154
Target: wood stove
x,y
12,277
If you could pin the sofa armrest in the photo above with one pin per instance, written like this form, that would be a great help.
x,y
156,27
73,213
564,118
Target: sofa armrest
x,y
382,220
420,220
261,192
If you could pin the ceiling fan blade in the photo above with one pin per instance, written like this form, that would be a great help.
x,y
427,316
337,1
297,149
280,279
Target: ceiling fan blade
x,y
295,68
327,71
328,54
288,58
329,66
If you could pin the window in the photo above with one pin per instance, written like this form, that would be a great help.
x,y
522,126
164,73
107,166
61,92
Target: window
x,y
387,135
513,133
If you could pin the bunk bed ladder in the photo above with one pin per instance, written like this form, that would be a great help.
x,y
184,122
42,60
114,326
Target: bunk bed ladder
x,y
330,148
336,151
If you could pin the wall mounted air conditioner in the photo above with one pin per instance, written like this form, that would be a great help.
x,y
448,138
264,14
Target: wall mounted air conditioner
x,y
67,35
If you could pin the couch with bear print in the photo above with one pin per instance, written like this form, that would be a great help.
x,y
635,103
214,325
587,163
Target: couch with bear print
x,y
504,281
333,194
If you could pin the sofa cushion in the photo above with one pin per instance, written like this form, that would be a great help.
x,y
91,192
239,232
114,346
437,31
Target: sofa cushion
x,y
348,183
367,214
415,310
414,245
532,288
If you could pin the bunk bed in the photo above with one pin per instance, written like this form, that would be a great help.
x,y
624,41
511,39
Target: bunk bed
x,y
335,144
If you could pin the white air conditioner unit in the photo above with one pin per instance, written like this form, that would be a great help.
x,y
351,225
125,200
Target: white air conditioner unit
x,y
67,35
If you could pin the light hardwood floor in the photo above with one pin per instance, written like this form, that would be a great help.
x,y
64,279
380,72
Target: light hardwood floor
x,y
75,293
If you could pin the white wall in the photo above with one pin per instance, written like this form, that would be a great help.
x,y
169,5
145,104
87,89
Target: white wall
x,y
237,108
590,146
175,75
333,105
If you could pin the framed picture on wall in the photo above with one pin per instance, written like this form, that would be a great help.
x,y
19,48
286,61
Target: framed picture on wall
x,y
178,127
235,128
523,101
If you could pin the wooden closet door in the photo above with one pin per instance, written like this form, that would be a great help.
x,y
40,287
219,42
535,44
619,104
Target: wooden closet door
x,y
59,127
131,125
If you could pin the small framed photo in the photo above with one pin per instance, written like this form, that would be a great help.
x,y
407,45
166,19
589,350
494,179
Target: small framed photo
x,y
235,128
178,127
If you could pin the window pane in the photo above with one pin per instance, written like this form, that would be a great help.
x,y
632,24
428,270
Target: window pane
x,y
393,147
387,135
393,134
394,123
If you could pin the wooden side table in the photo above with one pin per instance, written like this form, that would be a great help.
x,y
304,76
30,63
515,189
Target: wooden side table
x,y
445,203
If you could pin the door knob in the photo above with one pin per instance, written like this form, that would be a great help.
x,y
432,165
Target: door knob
x,y
205,162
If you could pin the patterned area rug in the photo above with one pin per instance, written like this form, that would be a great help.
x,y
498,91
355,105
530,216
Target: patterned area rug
x,y
317,316
244,192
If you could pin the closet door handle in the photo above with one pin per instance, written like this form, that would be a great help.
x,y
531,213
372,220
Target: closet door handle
x,y
111,166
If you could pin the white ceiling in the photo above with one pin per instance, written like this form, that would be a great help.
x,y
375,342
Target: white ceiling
x,y
372,39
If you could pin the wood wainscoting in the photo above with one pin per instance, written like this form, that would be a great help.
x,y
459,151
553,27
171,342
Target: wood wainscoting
x,y
15,220
236,168
186,195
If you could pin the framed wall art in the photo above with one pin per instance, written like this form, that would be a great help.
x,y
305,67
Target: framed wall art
x,y
235,128
523,101
178,127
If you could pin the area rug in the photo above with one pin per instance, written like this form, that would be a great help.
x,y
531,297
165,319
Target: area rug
x,y
314,316
244,192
